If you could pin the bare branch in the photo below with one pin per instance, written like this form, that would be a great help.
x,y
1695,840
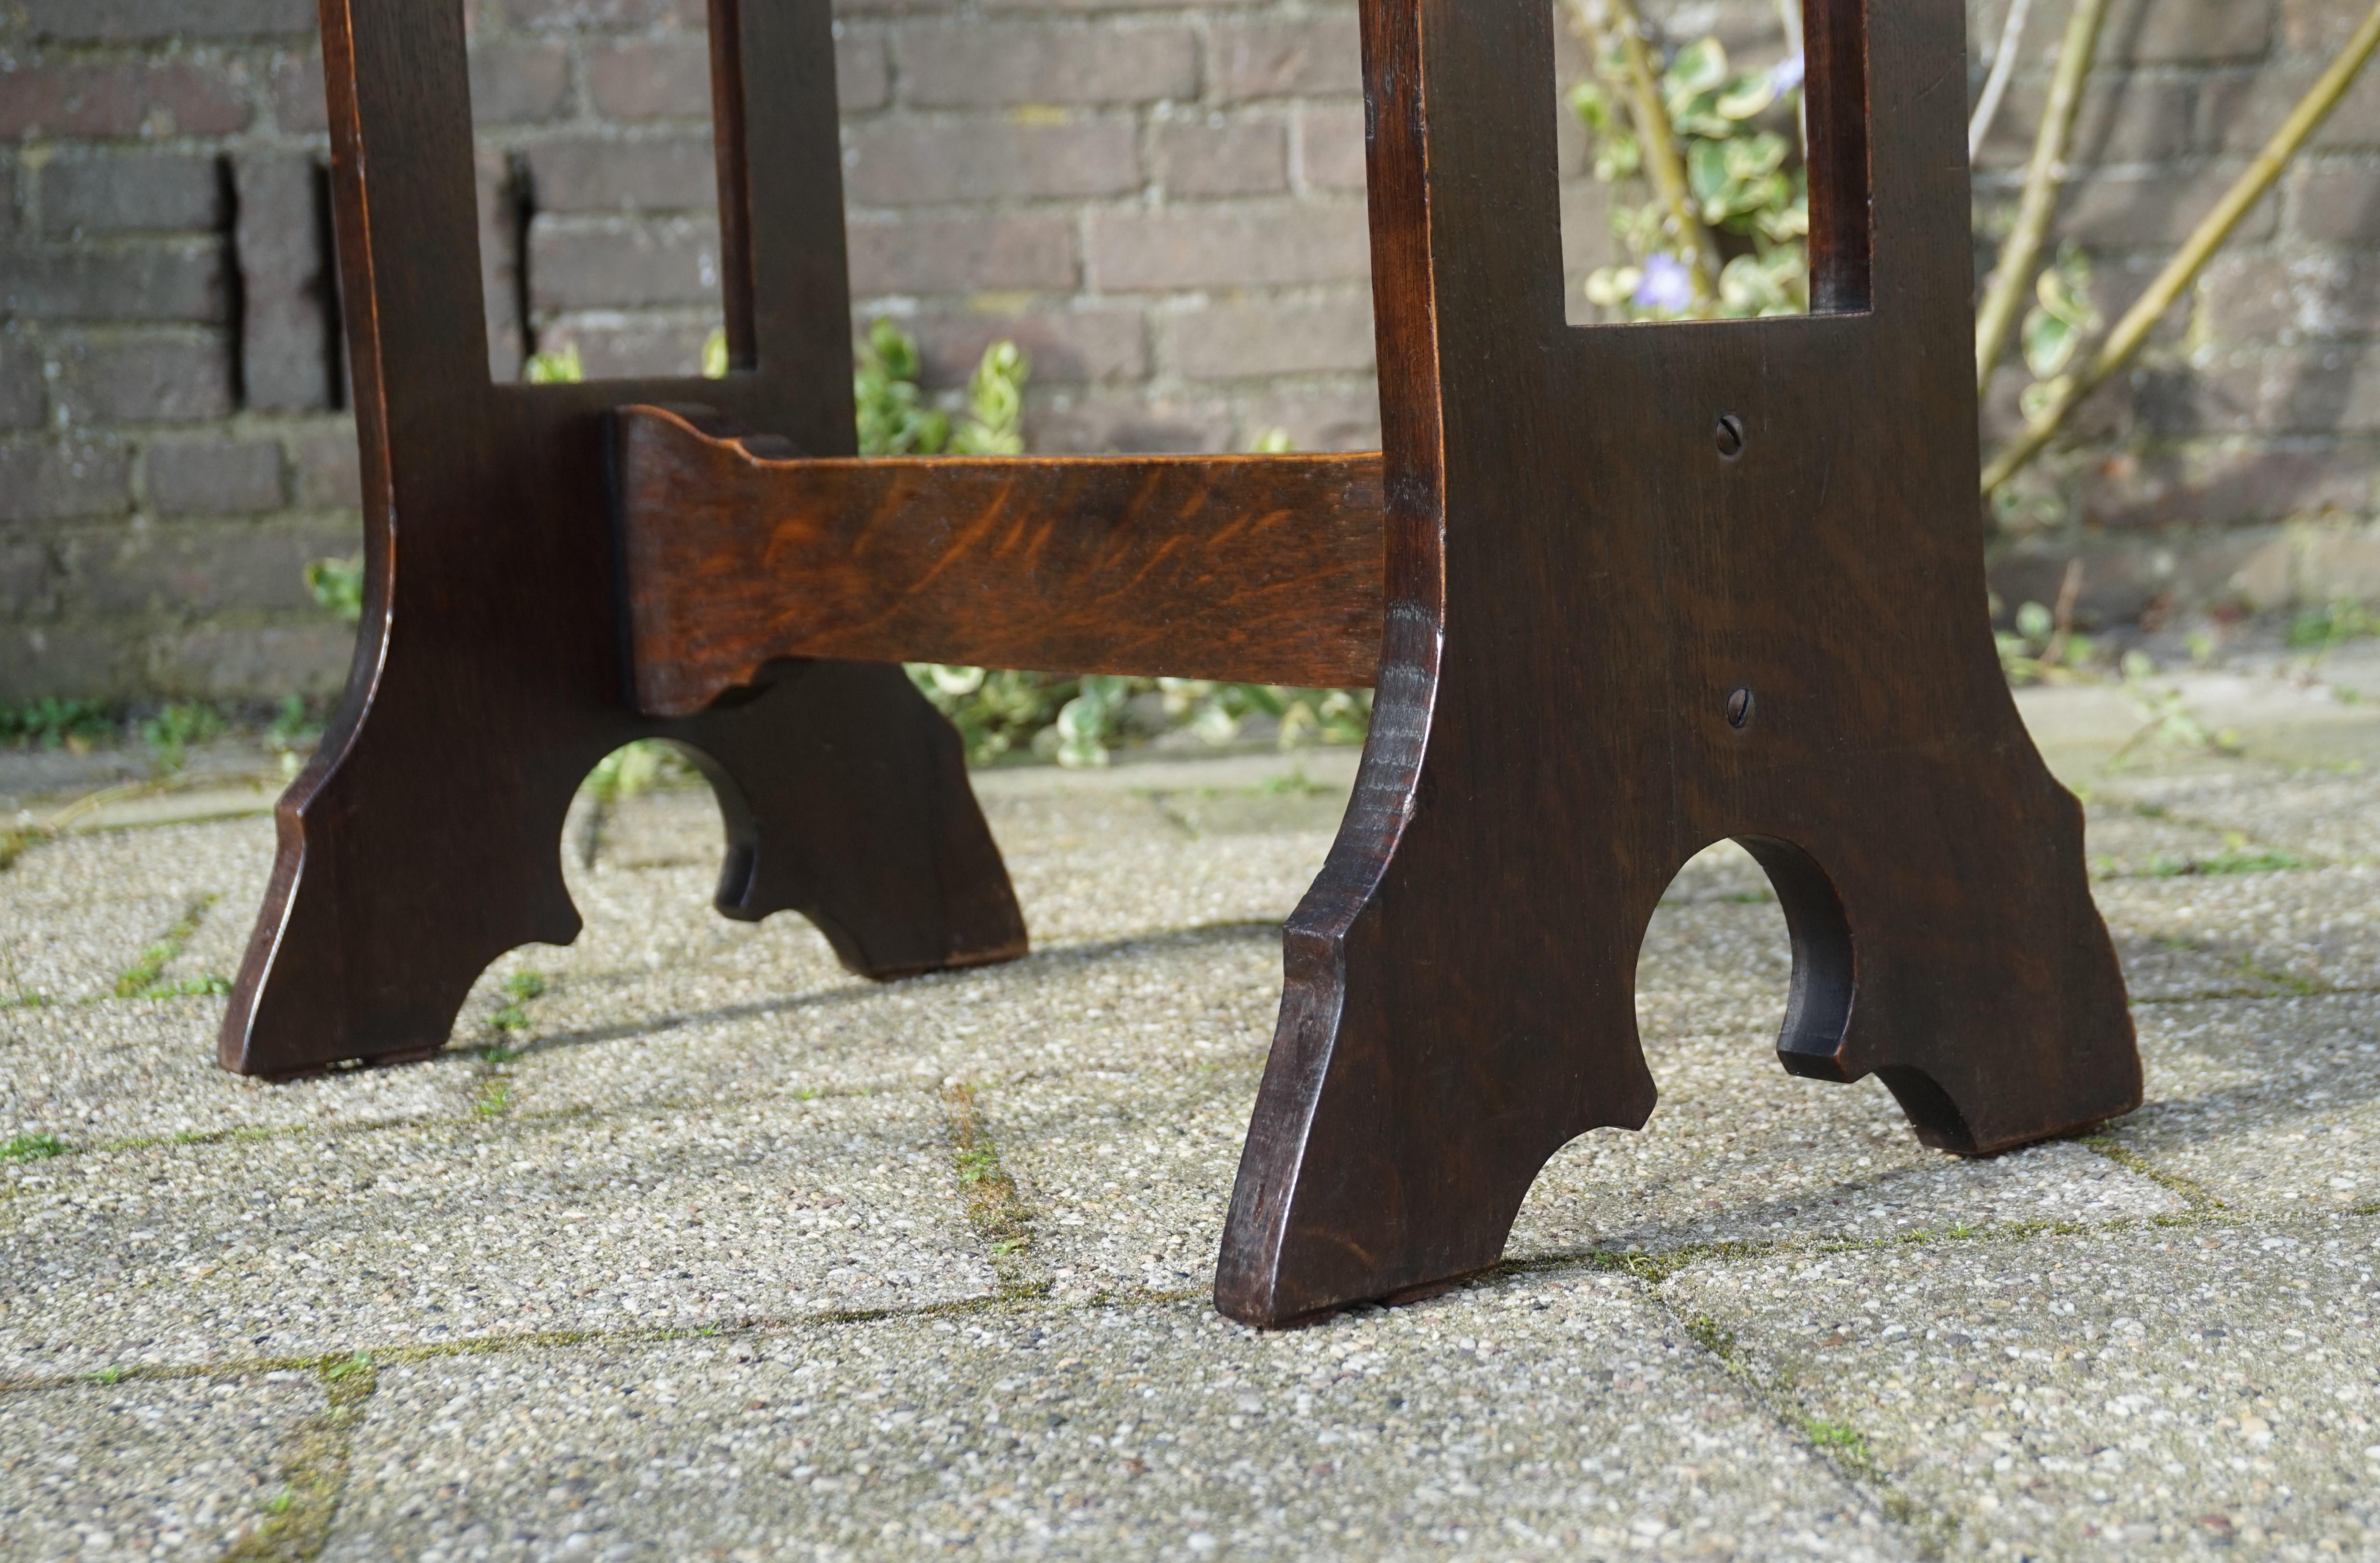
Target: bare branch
x,y
2042,182
2200,248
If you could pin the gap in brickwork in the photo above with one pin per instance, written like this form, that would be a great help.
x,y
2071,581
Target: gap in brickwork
x,y
1728,74
599,197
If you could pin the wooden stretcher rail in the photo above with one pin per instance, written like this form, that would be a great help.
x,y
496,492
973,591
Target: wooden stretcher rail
x,y
1256,570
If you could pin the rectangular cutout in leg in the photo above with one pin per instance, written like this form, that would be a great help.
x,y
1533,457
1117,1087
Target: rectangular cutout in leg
x,y
729,148
600,232
1709,176
1842,208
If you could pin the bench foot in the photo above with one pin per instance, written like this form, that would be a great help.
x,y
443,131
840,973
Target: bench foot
x,y
416,852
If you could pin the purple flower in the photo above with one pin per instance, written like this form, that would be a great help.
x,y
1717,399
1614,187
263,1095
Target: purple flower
x,y
1786,75
1667,286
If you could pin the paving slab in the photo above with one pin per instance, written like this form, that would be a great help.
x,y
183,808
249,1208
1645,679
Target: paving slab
x,y
125,1070
1541,1416
2121,843
1125,1177
1740,1151
2271,1106
2330,817
77,913
1162,1001
299,1244
181,1469
2200,1390
2293,932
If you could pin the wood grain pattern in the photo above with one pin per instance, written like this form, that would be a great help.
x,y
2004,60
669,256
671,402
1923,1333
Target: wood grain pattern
x,y
1608,645
1256,570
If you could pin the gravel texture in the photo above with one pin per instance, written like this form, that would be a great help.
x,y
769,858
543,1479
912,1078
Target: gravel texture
x,y
1558,1418
695,1245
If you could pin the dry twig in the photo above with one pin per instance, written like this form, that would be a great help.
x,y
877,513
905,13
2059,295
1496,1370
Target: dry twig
x,y
2068,391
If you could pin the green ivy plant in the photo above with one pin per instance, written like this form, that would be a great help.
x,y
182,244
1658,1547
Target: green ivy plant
x,y
52,722
1745,174
895,419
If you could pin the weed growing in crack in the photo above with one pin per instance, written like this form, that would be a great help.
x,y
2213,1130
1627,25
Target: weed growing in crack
x,y
993,1205
146,977
297,1514
32,1148
520,987
1712,1336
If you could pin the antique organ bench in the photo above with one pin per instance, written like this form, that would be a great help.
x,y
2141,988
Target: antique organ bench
x,y
1621,593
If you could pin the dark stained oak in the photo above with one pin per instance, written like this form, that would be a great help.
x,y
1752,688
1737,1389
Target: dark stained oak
x,y
1261,569
424,838
1602,636
1579,586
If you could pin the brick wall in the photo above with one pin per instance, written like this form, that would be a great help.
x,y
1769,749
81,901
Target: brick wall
x,y
1162,201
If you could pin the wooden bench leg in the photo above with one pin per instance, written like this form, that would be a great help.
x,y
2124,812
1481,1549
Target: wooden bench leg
x,y
1649,587
427,849
424,841
1447,1028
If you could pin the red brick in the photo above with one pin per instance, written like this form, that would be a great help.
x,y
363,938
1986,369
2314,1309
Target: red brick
x,y
42,481
626,16
2262,298
650,78
149,281
172,380
1218,156
1330,148
670,77
1230,247
622,349
622,263
2160,31
177,97
980,66
961,255
24,397
863,76
213,477
911,164
125,194
1302,58
2318,27
2335,205
679,174
297,101
28,579
201,570
329,470
120,22
2319,390
1317,419
1069,424
1246,341
1071,347
2123,119
2219,485
2153,210
519,83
